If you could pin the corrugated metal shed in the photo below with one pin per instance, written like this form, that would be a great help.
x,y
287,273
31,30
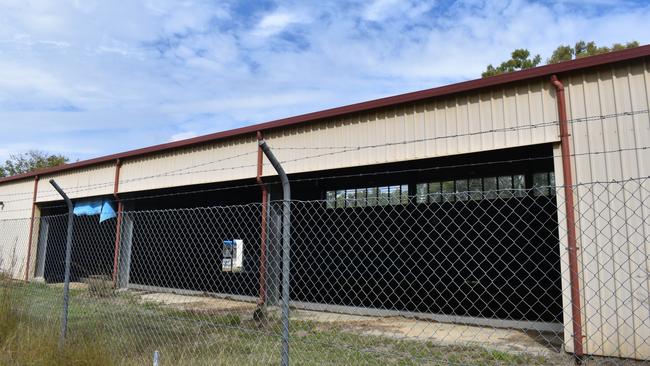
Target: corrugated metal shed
x,y
509,111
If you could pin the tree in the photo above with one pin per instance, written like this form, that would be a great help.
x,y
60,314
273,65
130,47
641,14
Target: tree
x,y
30,161
562,53
520,60
584,49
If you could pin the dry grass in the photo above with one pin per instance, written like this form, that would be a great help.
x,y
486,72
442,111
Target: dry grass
x,y
100,286
121,330
27,342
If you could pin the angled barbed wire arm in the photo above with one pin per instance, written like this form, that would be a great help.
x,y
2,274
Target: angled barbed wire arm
x,y
68,254
286,238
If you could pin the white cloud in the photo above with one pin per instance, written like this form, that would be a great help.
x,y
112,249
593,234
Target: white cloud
x,y
102,78
277,22
182,136
380,10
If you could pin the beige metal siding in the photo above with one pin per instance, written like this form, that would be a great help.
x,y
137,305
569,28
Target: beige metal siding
x,y
86,182
613,219
14,225
17,198
216,162
413,131
501,118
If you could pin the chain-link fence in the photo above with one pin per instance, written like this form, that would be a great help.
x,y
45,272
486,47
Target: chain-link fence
x,y
468,277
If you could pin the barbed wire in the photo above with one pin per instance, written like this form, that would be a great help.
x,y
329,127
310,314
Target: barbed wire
x,y
164,174
402,171
494,130
411,197
556,187
183,171
108,183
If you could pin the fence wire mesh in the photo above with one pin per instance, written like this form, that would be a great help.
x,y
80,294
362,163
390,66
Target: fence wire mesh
x,y
466,278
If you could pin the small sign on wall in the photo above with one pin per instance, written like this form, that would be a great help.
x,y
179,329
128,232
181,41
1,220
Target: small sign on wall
x,y
233,255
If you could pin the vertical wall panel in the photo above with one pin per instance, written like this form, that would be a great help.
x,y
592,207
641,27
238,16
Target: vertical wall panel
x,y
584,222
536,112
441,128
613,217
635,239
602,326
462,121
420,131
474,120
15,218
510,115
451,126
640,99
523,116
564,253
485,120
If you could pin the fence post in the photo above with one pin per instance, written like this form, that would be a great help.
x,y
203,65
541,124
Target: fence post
x,y
286,238
68,254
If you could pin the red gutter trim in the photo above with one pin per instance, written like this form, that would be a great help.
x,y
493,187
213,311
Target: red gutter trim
x,y
31,228
118,225
542,71
260,166
570,219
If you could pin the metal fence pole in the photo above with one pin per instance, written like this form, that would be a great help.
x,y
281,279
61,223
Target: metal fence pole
x,y
68,254
286,238
156,358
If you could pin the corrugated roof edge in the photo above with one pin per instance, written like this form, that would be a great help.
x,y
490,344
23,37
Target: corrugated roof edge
x,y
546,70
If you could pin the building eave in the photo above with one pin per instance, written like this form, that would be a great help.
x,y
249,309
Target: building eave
x,y
466,86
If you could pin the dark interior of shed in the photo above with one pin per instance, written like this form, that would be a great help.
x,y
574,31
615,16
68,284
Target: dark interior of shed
x,y
490,258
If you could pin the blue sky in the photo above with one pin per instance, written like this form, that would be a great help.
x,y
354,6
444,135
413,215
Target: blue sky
x,y
88,78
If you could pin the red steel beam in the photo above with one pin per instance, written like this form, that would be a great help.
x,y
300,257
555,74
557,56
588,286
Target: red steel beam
x,y
570,218
118,225
260,155
31,228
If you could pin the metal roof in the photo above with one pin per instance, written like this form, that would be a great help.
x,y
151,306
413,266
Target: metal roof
x,y
547,70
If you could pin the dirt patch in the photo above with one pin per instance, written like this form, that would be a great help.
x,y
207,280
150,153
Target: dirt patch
x,y
444,334
455,334
199,304
325,317
73,285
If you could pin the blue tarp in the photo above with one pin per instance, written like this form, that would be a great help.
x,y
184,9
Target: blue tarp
x,y
103,208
